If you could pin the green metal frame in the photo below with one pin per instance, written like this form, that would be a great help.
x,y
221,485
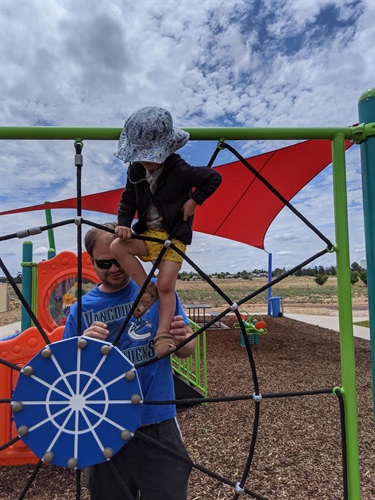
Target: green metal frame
x,y
336,135
51,236
357,133
194,368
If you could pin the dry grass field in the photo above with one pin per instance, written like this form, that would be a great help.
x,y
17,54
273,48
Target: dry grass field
x,y
301,295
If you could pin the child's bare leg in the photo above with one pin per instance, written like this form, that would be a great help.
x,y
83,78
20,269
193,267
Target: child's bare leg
x,y
126,252
168,271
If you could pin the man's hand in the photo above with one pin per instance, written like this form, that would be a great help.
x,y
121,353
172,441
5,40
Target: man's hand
x,y
181,332
97,330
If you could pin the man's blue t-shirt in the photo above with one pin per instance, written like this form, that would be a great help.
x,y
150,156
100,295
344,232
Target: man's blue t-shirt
x,y
136,342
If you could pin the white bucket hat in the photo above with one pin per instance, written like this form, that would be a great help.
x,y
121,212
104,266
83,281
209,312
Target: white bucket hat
x,y
149,135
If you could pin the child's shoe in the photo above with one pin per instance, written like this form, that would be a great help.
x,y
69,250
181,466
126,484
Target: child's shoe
x,y
164,344
150,295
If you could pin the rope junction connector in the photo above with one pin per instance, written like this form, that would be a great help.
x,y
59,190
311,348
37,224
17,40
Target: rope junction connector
x,y
167,243
78,221
78,159
234,306
28,232
257,397
238,489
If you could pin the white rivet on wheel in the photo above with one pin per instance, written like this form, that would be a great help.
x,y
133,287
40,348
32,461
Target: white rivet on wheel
x,y
82,343
28,370
130,375
72,463
23,430
48,457
17,406
105,350
107,453
46,353
135,399
125,435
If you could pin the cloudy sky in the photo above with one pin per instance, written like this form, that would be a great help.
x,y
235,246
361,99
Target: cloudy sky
x,y
253,63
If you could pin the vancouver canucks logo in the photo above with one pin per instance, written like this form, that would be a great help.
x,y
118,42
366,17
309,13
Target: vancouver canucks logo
x,y
140,329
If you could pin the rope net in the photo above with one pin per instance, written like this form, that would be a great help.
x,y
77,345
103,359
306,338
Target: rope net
x,y
239,485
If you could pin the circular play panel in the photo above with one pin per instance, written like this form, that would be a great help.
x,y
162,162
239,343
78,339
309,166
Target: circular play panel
x,y
77,402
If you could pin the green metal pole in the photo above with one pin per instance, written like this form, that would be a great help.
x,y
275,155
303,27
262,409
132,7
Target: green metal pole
x,y
34,287
51,236
366,109
51,253
356,133
345,316
26,264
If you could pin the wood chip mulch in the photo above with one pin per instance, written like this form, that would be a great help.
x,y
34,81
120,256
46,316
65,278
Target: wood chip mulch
x,y
298,452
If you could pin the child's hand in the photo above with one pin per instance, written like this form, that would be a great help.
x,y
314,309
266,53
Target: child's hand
x,y
188,208
123,233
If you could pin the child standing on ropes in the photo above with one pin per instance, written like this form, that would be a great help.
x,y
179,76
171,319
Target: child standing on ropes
x,y
160,187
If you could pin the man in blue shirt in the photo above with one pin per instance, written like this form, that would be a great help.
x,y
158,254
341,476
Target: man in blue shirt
x,y
145,469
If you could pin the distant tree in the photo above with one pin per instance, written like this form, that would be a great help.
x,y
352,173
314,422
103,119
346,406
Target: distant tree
x,y
18,278
259,271
320,279
332,271
354,277
355,267
278,272
363,276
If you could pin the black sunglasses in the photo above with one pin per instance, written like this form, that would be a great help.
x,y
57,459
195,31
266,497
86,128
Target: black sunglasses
x,y
106,264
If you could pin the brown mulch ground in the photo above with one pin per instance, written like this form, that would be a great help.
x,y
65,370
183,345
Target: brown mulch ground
x,y
298,448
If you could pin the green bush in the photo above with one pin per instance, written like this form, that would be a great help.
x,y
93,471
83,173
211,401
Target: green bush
x,y
354,277
320,279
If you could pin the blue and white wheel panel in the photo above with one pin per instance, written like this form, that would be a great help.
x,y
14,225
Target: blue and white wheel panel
x,y
77,402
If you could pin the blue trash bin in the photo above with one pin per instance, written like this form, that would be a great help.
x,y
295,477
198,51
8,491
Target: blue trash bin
x,y
276,306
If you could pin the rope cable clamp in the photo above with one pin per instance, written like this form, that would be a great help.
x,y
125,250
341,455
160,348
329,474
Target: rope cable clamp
x,y
257,397
238,489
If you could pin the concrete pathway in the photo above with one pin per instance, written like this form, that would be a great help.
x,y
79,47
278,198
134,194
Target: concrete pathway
x,y
10,329
332,322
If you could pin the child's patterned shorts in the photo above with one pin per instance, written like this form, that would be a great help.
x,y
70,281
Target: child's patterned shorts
x,y
154,248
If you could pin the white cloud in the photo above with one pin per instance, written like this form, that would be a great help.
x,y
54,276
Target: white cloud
x,y
218,63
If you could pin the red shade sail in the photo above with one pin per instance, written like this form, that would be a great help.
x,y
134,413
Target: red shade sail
x,y
243,208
